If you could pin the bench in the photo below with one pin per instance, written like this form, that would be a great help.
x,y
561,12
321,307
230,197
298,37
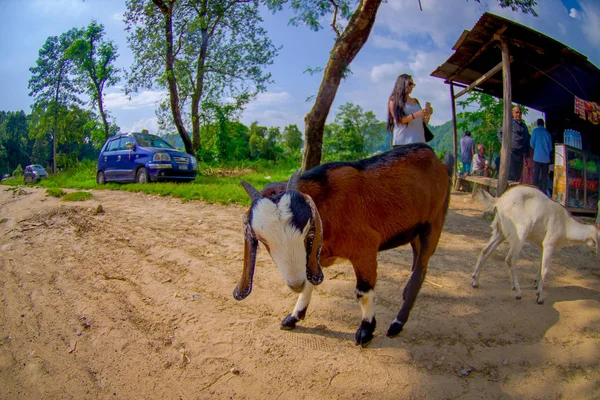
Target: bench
x,y
489,183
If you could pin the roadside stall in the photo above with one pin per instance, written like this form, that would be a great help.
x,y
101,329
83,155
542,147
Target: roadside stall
x,y
510,61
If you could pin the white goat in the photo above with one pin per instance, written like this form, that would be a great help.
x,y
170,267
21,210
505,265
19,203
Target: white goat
x,y
523,213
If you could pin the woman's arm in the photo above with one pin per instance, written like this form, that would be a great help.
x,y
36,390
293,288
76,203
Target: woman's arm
x,y
406,119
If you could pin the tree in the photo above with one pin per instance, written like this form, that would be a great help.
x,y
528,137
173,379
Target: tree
x,y
78,130
16,139
94,56
262,142
485,122
354,134
51,83
347,45
292,139
210,49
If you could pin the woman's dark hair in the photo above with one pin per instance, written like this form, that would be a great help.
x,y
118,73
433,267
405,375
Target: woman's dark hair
x,y
399,96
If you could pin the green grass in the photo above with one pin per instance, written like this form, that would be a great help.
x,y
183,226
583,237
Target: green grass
x,y
55,192
77,196
214,183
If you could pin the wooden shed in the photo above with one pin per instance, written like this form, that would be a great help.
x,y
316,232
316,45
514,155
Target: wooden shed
x,y
518,64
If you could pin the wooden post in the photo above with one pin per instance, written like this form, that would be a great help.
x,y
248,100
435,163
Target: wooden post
x,y
507,122
455,135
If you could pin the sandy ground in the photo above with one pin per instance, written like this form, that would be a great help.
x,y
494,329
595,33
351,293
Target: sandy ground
x,y
136,303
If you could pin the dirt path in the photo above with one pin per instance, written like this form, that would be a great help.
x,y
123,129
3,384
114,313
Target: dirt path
x,y
136,303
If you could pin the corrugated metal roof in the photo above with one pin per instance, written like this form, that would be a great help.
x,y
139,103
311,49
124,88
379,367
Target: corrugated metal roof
x,y
546,74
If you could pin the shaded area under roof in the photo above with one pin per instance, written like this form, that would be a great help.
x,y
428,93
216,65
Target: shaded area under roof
x,y
546,74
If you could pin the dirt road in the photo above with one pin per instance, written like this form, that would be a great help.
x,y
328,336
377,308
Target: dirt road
x,y
136,302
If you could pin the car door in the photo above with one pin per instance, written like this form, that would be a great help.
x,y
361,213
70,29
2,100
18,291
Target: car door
x,y
110,160
126,160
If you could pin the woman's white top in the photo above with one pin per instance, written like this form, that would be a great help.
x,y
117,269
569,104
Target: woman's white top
x,y
413,132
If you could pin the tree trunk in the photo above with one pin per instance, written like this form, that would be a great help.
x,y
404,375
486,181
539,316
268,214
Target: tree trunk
x,y
345,49
198,89
102,112
167,12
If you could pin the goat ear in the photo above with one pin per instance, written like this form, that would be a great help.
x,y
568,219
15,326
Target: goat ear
x,y
244,286
251,190
293,182
314,241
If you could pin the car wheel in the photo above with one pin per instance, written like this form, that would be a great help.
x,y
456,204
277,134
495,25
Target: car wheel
x,y
142,176
100,178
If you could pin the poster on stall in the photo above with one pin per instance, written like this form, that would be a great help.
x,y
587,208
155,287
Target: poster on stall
x,y
589,110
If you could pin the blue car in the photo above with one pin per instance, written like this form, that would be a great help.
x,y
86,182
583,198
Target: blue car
x,y
142,157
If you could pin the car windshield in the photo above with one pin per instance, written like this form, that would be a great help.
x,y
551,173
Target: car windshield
x,y
38,168
148,140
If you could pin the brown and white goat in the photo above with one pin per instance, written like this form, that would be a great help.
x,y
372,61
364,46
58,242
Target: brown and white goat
x,y
350,210
523,213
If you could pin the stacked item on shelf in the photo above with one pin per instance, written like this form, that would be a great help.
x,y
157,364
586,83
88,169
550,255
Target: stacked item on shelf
x,y
572,138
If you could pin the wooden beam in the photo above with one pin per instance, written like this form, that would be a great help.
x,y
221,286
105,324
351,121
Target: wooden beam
x,y
455,134
507,122
479,52
480,80
519,43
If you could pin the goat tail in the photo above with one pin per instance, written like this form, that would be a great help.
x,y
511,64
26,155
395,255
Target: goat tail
x,y
450,163
482,196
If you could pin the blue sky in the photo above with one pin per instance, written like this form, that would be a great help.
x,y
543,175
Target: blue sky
x,y
404,40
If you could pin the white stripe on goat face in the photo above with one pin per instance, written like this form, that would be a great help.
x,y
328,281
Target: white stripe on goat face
x,y
272,224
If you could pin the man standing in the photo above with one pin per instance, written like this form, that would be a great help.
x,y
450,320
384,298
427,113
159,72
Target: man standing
x,y
541,142
467,149
520,145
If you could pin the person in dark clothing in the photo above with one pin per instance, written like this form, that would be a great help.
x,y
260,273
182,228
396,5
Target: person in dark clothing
x,y
520,145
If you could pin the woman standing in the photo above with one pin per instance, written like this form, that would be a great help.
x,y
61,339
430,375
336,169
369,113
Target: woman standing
x,y
406,118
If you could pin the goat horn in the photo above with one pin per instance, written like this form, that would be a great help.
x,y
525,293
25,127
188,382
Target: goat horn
x,y
244,286
293,182
251,190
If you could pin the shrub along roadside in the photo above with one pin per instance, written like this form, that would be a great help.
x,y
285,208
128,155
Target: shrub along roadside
x,y
215,183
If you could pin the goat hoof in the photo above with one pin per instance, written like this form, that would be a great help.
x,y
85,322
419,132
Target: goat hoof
x,y
475,284
288,323
518,297
540,301
395,328
364,334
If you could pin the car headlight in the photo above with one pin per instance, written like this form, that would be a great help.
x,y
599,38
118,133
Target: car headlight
x,y
161,157
194,162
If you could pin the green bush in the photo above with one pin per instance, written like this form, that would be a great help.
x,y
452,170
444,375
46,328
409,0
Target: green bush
x,y
55,192
18,171
77,196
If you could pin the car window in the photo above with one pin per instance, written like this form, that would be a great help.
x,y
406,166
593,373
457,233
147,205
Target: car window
x,y
147,140
114,145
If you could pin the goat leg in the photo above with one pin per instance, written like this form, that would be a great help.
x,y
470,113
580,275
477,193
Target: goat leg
x,y
364,334
510,260
495,241
289,322
543,272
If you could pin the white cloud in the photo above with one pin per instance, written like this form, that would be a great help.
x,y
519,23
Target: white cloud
x,y
574,13
151,124
269,99
591,22
118,16
386,72
388,43
59,7
143,99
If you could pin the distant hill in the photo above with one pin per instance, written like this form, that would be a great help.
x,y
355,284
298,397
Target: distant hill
x,y
442,137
